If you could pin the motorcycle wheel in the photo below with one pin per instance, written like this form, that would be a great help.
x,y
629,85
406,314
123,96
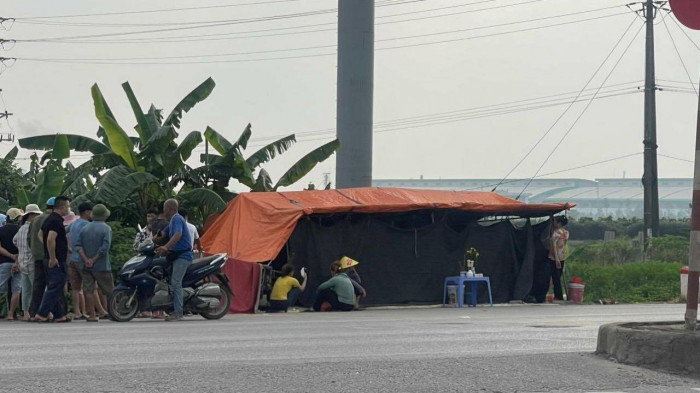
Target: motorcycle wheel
x,y
117,305
225,304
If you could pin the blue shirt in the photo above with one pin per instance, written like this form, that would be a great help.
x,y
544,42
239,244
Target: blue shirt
x,y
74,231
179,225
96,237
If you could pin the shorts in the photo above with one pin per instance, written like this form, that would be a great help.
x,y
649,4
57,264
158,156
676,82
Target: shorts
x,y
104,281
8,277
74,277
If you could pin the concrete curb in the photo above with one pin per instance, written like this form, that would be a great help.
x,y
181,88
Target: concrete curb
x,y
663,345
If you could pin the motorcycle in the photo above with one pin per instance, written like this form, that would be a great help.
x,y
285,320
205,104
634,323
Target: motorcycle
x,y
144,286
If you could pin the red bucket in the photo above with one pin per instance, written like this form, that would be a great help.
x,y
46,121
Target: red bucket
x,y
575,292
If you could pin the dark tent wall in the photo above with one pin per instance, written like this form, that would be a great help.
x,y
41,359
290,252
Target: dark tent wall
x,y
404,258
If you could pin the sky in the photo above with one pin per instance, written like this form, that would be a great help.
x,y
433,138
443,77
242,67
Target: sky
x,y
463,88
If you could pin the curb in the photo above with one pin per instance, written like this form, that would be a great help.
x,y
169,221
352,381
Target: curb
x,y
663,345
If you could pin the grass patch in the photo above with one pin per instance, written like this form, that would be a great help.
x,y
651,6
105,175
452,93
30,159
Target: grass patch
x,y
635,282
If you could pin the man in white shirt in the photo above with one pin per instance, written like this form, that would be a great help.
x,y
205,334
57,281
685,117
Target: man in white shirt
x,y
194,235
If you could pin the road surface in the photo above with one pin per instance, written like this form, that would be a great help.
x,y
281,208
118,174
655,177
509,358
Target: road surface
x,y
523,348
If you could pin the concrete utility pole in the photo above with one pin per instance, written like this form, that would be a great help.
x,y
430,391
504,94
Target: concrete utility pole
x,y
650,179
691,308
355,93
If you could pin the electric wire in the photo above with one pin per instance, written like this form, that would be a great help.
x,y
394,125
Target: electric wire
x,y
690,79
692,41
122,61
584,109
566,110
226,36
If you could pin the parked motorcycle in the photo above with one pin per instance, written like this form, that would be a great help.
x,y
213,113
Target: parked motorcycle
x,y
144,286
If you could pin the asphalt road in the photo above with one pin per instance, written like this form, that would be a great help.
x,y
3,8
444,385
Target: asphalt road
x,y
528,348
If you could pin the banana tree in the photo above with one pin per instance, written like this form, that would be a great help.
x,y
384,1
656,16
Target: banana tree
x,y
231,163
135,171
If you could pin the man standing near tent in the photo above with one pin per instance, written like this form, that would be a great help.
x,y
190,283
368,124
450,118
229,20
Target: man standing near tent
x,y
194,235
178,252
557,253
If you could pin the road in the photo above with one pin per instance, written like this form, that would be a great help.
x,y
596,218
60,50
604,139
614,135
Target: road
x,y
523,348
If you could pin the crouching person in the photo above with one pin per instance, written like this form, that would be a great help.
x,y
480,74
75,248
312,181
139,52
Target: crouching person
x,y
94,242
338,291
286,290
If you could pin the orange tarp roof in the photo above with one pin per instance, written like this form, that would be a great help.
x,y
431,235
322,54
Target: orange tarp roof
x,y
255,226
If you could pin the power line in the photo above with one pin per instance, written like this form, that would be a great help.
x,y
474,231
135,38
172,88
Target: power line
x,y
561,116
218,37
122,61
690,79
585,108
692,41
156,11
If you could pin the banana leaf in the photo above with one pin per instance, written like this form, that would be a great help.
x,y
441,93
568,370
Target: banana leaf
x,y
242,141
204,197
263,183
118,139
191,141
11,155
119,183
307,163
49,183
217,141
199,94
144,127
4,205
270,151
75,142
61,149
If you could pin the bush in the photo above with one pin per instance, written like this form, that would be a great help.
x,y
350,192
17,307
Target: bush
x,y
636,282
625,250
586,228
122,243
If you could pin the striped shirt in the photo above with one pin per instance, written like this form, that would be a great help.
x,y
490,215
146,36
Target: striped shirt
x,y
25,259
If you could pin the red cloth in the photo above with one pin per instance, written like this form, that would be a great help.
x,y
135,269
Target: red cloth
x,y
245,280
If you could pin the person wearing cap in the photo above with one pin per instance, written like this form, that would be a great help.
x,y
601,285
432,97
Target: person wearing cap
x,y
75,264
94,242
35,243
9,274
25,259
55,241
338,291
286,290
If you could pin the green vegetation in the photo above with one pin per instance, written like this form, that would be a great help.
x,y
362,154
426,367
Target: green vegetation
x,y
624,250
130,174
594,229
635,282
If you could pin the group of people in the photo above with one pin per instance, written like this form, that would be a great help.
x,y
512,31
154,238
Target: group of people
x,y
41,251
342,292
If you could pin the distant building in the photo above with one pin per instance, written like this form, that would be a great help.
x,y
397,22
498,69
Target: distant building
x,y
594,198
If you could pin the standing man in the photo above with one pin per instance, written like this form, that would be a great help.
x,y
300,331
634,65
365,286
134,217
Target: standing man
x,y
194,235
93,245
9,272
25,260
158,224
179,253
35,243
557,254
53,234
76,263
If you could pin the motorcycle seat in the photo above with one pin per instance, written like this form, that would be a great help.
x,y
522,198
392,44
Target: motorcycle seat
x,y
201,262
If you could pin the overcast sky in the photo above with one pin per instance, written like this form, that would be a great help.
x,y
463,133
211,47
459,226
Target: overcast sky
x,y
436,102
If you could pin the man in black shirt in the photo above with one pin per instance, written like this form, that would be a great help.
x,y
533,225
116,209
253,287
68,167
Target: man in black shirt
x,y
9,273
53,234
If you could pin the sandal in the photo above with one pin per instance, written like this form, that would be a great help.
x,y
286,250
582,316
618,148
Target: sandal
x,y
65,319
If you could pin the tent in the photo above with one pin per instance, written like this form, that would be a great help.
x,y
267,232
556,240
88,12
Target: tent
x,y
406,240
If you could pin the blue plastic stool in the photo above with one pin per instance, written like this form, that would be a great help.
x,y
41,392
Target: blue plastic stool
x,y
460,281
